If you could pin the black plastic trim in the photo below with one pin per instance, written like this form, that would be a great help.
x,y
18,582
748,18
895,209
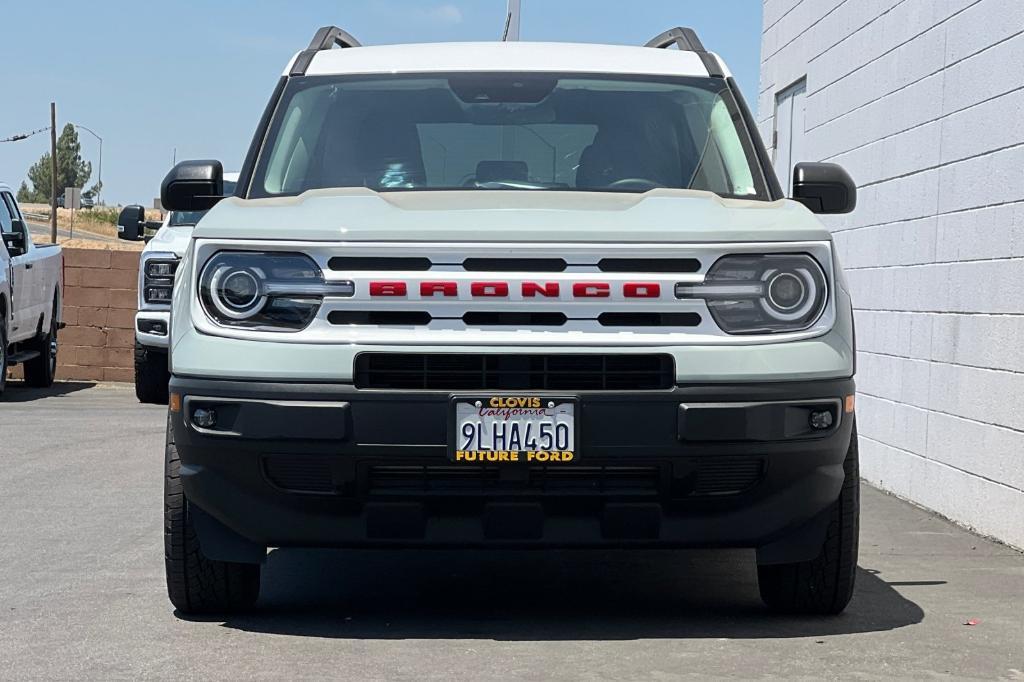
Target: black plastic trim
x,y
686,38
325,38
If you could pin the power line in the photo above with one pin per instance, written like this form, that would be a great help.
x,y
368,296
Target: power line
x,y
23,136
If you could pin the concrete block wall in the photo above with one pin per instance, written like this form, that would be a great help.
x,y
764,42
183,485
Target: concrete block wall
x,y
922,101
100,300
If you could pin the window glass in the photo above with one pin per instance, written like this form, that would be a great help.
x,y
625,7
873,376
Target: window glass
x,y
507,131
6,222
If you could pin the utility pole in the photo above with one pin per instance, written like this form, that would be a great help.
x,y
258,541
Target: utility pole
x,y
512,22
53,172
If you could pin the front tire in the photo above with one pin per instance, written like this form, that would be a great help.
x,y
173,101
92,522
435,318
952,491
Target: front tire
x,y
3,352
195,584
151,376
40,371
823,585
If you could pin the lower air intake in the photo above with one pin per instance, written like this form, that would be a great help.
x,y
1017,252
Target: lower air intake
x,y
493,372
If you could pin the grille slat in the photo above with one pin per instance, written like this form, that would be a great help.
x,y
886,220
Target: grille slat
x,y
707,477
482,372
727,475
461,480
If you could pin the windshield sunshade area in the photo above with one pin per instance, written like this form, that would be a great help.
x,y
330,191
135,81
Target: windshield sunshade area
x,y
510,131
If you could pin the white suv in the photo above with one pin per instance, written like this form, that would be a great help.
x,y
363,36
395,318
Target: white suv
x,y
504,295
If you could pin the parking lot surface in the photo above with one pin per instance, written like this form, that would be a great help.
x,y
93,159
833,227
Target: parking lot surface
x,y
82,588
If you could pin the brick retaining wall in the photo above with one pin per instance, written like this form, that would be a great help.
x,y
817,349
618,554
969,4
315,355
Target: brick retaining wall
x,y
100,300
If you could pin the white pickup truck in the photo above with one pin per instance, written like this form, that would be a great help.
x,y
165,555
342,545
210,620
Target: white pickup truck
x,y
31,285
159,260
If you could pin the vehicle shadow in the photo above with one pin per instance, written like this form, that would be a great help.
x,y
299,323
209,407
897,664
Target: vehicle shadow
x,y
20,392
542,595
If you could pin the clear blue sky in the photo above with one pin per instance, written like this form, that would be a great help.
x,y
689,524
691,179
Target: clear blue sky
x,y
149,77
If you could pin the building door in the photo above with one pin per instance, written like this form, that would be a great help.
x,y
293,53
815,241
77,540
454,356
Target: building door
x,y
789,132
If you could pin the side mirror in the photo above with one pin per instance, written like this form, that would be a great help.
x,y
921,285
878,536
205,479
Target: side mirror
x,y
824,188
193,186
130,223
152,227
15,242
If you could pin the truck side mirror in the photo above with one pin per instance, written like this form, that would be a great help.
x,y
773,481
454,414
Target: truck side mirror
x,y
193,186
130,223
824,188
15,242
151,228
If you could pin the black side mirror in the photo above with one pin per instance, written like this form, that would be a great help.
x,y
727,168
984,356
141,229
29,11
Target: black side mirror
x,y
152,227
130,223
15,242
824,188
193,186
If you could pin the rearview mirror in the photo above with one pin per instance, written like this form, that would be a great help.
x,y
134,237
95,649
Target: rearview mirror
x,y
15,243
824,188
131,222
193,186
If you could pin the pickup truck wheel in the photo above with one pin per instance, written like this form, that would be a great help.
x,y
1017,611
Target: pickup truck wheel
x,y
195,584
151,376
3,355
823,585
41,370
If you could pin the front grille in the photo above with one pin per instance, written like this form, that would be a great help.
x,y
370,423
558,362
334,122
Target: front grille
x,y
727,475
532,481
300,474
490,372
666,480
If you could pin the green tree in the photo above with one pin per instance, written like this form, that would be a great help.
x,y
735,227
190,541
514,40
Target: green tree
x,y
72,171
27,196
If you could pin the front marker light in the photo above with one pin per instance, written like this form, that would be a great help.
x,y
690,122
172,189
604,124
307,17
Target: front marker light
x,y
264,290
760,294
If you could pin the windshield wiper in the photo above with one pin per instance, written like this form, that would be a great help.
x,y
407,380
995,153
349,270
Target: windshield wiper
x,y
509,184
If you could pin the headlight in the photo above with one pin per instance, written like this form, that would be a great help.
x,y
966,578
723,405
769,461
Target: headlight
x,y
269,291
158,278
763,293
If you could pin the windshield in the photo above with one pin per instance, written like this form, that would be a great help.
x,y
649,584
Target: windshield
x,y
507,131
190,218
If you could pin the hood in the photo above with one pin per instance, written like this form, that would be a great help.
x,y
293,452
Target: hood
x,y
170,239
658,216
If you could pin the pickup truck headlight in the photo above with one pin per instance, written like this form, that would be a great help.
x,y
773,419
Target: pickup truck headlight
x,y
255,290
158,279
762,293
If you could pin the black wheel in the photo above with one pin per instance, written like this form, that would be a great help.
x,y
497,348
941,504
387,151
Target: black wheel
x,y
151,375
823,585
41,370
3,351
195,584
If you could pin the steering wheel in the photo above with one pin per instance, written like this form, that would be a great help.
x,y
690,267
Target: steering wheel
x,y
635,183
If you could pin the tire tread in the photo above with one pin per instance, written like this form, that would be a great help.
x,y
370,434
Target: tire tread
x,y
196,584
823,585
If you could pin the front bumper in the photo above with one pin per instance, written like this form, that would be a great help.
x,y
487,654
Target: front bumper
x,y
319,465
152,328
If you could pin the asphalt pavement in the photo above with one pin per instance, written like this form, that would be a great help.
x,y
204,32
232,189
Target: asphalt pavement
x,y
82,589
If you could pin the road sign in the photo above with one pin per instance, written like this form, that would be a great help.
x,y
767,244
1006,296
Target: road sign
x,y
73,197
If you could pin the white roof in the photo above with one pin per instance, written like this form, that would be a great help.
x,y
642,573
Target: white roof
x,y
510,56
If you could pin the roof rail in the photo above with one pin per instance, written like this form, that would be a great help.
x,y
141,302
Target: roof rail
x,y
325,38
686,39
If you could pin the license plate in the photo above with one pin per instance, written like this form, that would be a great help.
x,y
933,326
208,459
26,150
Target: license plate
x,y
513,429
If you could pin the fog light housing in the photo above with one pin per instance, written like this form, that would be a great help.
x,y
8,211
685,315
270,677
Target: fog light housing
x,y
204,418
821,419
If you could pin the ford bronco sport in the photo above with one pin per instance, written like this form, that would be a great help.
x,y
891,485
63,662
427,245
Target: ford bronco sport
x,y
510,295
